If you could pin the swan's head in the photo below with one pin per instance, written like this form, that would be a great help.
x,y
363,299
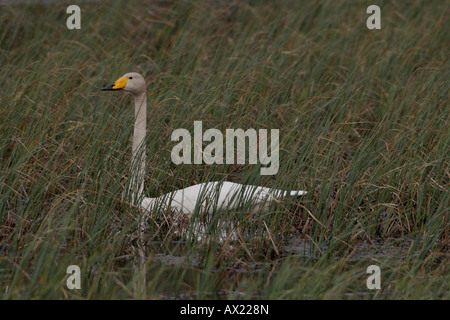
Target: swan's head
x,y
132,82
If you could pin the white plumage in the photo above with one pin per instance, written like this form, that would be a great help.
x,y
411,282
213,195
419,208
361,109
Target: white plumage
x,y
211,196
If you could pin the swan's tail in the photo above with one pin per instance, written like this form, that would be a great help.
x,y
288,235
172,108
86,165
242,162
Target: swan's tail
x,y
281,193
298,193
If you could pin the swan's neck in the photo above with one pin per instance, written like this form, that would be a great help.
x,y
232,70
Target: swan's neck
x,y
138,148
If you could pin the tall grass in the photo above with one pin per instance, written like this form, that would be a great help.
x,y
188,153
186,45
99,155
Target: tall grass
x,y
364,126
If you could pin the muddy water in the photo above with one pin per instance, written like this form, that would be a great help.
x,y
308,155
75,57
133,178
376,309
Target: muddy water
x,y
303,248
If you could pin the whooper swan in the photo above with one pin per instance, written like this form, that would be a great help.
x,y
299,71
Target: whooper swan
x,y
206,196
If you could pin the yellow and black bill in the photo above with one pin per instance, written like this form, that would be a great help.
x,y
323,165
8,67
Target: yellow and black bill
x,y
118,85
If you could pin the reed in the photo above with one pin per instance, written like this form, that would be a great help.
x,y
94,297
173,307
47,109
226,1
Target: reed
x,y
364,127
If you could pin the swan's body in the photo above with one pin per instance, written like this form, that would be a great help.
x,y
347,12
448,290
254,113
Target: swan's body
x,y
216,195
206,196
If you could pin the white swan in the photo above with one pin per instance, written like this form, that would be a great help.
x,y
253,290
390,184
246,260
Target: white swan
x,y
208,196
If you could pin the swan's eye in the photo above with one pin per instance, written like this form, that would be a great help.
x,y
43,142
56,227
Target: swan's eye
x,y
130,78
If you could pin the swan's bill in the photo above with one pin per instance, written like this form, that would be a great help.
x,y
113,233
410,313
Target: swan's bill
x,y
118,85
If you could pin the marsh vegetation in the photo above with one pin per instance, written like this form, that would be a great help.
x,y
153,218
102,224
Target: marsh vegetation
x,y
364,127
